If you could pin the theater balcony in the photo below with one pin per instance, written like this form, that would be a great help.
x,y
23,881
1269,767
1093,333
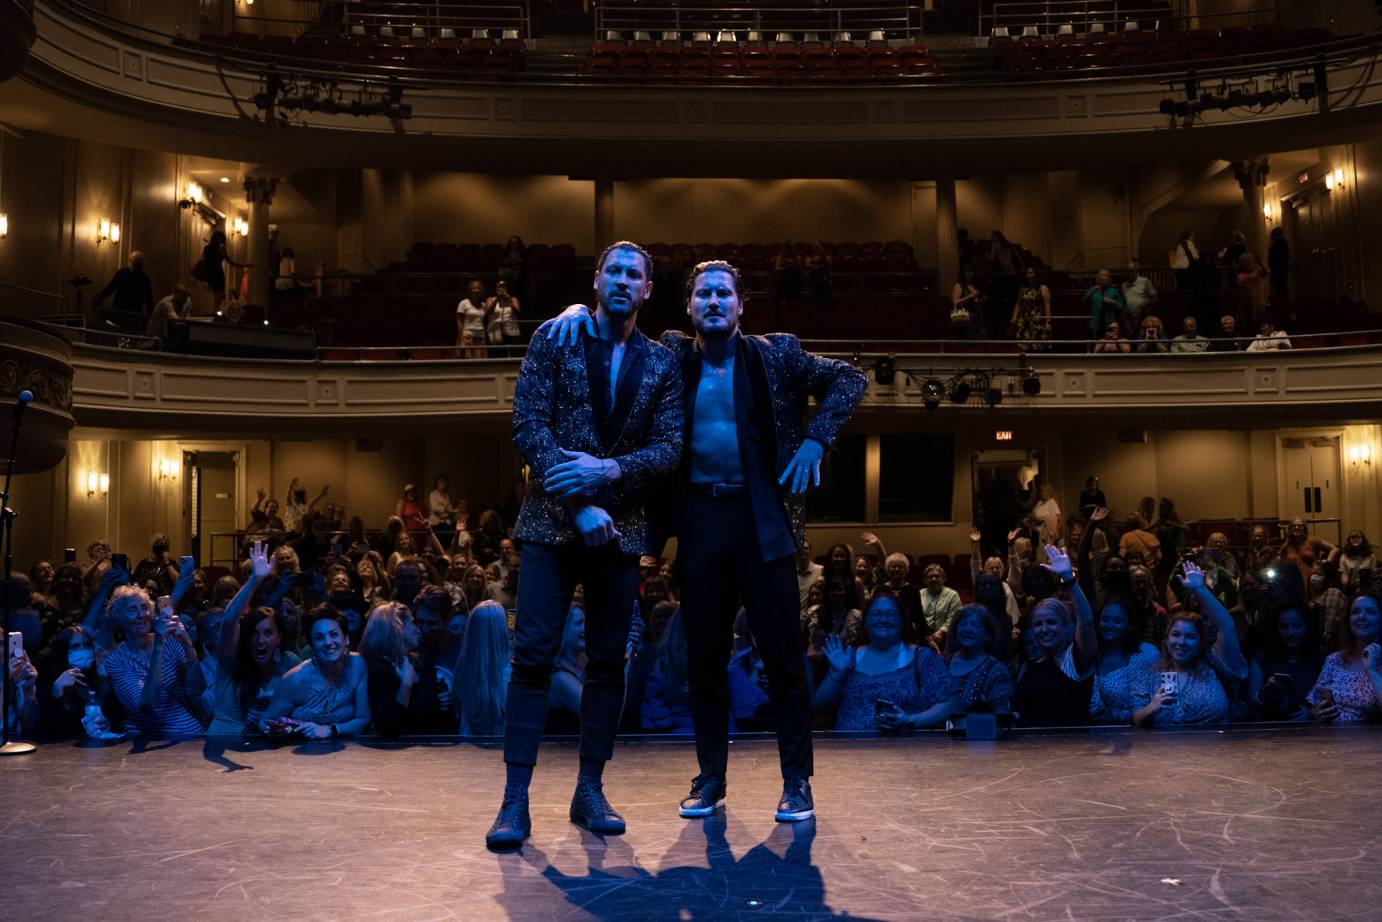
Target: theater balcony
x,y
121,388
92,76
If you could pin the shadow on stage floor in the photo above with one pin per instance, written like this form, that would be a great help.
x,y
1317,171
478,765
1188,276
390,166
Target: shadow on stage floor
x,y
1243,823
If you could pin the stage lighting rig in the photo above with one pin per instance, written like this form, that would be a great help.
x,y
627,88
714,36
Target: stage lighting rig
x,y
1245,94
885,370
284,96
932,391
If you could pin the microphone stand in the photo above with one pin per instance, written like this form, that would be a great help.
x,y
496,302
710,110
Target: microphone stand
x,y
9,747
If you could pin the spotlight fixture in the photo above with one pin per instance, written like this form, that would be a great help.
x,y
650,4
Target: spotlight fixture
x,y
993,395
931,393
4,225
960,391
885,370
1031,384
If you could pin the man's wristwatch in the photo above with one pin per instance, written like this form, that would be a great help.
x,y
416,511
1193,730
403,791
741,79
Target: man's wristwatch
x,y
1067,583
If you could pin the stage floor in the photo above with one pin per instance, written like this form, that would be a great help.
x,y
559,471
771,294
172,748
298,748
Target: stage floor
x,y
1244,824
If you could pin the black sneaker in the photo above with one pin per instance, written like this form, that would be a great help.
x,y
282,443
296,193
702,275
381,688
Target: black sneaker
x,y
707,793
512,825
590,809
796,803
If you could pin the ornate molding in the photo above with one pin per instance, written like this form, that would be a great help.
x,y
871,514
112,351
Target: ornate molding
x,y
120,388
79,66
36,359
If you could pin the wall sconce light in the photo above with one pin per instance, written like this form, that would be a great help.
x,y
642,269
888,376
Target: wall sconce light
x,y
194,195
102,231
241,227
97,483
1360,454
4,225
1338,177
1267,212
167,470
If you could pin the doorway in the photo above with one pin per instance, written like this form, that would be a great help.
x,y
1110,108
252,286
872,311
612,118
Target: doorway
x,y
1310,483
211,505
1003,492
1312,242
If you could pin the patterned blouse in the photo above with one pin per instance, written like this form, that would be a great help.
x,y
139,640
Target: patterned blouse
x,y
1200,694
1111,700
1354,694
920,682
987,687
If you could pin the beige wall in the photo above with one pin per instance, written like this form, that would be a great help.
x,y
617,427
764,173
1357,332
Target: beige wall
x,y
32,173
56,191
474,208
752,210
1046,212
1209,473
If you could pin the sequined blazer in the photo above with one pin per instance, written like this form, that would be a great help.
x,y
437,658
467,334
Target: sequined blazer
x,y
793,376
552,411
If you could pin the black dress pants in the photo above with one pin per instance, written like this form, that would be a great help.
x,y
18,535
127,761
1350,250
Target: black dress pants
x,y
720,563
545,585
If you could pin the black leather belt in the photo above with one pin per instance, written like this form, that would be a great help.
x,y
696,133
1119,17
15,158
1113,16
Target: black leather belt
x,y
717,489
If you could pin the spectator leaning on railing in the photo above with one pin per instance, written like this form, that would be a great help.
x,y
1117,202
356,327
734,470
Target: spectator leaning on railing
x,y
1190,339
1104,303
1269,338
1227,338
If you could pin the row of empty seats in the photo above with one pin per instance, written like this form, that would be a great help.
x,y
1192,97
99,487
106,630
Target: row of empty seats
x,y
705,40
779,60
1142,47
895,254
478,53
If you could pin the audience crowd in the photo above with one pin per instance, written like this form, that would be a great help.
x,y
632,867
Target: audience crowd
x,y
1230,300
325,631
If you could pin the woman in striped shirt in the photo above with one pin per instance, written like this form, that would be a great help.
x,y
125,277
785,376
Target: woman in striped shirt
x,y
154,671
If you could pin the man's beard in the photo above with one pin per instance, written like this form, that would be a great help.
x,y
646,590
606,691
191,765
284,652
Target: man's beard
x,y
719,335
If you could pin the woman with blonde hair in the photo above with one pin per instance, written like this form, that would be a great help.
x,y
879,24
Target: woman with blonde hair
x,y
482,678
403,693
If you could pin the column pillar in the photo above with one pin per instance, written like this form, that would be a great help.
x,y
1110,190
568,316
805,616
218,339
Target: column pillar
x,y
259,193
1252,179
947,235
604,213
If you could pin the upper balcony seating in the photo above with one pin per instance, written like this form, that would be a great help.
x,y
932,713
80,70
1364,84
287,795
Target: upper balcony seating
x,y
1069,50
784,58
490,52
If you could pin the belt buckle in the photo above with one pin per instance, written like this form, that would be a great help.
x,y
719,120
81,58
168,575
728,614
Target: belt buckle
x,y
726,489
715,490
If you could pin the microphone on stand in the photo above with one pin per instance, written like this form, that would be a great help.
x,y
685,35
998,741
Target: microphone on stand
x,y
25,398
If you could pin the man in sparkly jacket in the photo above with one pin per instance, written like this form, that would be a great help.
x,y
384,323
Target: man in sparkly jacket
x,y
599,422
736,509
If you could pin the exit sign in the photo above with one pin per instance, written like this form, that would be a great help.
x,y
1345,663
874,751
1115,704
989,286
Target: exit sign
x,y
1003,435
